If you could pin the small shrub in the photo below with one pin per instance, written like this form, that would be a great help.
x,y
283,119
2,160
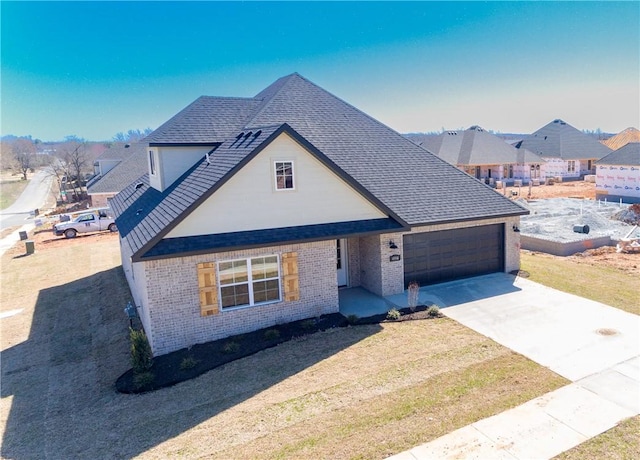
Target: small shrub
x,y
141,354
143,380
308,324
271,334
230,347
433,311
352,319
393,315
188,362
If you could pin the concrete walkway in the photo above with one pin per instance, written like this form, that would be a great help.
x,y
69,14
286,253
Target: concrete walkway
x,y
595,346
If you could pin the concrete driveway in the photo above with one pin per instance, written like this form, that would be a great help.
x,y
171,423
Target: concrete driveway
x,y
572,336
595,346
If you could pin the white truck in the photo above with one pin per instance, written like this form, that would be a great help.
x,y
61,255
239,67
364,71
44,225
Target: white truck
x,y
84,223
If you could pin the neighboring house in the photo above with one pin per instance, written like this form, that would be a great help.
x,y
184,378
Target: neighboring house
x,y
485,156
570,153
618,175
622,138
255,211
115,169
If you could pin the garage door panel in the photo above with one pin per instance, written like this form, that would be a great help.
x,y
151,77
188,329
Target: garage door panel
x,y
435,257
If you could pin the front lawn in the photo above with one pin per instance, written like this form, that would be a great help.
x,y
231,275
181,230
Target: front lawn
x,y
599,282
367,391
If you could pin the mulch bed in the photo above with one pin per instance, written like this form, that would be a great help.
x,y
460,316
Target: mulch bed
x,y
188,363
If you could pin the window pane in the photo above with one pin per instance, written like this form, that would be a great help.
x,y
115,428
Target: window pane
x,y
284,175
264,291
233,296
233,272
264,267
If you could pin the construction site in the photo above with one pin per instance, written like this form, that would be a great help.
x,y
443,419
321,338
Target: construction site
x,y
566,219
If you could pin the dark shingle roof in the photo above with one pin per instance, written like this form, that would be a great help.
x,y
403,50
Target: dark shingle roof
x,y
410,184
207,120
561,140
474,147
119,151
125,172
268,237
628,154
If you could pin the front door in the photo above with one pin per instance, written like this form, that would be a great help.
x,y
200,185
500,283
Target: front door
x,y
341,252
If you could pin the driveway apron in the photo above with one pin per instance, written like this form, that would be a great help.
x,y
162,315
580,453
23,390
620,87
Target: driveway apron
x,y
594,345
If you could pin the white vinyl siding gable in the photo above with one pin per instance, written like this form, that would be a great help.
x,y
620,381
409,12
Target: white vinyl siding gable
x,y
249,200
172,162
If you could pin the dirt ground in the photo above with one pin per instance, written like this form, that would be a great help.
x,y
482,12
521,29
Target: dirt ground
x,y
605,256
573,189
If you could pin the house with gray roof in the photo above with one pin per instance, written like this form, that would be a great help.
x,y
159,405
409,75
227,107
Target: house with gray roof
x,y
116,168
485,156
570,153
618,175
258,211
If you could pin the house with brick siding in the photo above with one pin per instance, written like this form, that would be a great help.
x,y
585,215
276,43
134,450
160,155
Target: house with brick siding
x,y
114,169
485,156
257,211
569,153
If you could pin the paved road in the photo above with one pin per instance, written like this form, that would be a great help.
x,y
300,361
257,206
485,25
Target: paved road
x,y
33,197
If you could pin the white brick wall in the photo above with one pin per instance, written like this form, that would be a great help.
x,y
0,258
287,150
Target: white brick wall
x,y
173,298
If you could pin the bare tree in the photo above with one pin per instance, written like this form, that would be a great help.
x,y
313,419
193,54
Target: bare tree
x,y
74,163
133,135
6,155
23,152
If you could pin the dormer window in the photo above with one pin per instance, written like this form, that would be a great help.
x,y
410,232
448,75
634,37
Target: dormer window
x,y
152,163
284,175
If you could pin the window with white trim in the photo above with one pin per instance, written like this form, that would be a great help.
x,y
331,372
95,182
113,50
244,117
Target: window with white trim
x,y
571,166
284,175
246,282
152,162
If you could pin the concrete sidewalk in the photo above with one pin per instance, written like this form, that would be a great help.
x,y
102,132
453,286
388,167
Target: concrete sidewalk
x,y
594,345
8,241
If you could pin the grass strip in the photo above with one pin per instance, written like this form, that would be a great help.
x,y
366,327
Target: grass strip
x,y
602,284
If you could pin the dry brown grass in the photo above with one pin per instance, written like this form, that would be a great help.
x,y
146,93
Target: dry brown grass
x,y
10,189
359,392
619,443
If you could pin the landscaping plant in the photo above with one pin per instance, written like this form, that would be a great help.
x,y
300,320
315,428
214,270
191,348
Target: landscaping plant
x,y
141,354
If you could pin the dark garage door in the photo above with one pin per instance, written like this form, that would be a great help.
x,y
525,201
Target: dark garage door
x,y
435,257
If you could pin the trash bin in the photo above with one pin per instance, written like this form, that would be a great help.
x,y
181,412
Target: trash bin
x,y
581,229
23,235
30,246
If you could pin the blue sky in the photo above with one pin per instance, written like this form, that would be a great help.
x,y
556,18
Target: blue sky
x,y
93,69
